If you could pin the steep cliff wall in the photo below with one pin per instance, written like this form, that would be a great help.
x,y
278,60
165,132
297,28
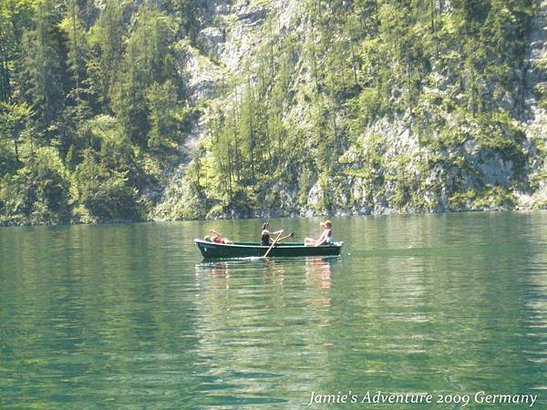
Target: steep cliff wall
x,y
389,166
536,120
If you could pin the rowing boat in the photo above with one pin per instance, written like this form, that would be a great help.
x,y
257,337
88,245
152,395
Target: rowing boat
x,y
254,249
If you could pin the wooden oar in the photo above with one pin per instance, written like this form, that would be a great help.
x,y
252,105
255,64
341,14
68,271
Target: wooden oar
x,y
285,237
273,243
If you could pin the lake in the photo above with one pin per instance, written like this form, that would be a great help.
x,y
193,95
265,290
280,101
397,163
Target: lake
x,y
446,310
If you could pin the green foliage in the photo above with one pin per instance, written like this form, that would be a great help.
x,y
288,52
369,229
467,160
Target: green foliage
x,y
450,74
15,16
187,14
13,119
43,58
98,88
105,193
147,63
163,115
490,197
38,192
365,104
107,45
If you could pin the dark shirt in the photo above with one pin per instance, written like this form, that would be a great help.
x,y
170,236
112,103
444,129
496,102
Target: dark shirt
x,y
265,238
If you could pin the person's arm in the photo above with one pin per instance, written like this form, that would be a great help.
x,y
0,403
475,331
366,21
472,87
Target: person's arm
x,y
321,239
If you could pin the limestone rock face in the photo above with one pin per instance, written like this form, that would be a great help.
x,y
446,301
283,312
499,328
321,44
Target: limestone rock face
x,y
536,129
231,33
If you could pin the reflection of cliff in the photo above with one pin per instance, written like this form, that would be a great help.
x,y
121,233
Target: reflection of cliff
x,y
537,278
93,313
259,331
450,297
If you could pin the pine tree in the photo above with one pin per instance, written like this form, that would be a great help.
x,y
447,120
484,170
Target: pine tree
x,y
44,69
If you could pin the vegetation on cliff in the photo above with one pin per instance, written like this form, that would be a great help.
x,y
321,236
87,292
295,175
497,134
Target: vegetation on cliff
x,y
344,106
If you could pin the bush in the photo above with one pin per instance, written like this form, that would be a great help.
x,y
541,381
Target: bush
x,y
105,194
38,192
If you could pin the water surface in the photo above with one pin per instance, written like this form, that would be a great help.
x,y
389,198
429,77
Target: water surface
x,y
131,316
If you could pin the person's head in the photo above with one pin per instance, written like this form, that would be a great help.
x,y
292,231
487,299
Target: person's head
x,y
327,224
265,225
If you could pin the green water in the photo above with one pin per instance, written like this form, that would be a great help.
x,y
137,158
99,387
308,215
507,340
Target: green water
x,y
130,316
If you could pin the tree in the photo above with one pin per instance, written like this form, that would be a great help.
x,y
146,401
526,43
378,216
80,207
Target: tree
x,y
15,17
78,50
106,41
43,68
162,104
39,191
105,193
13,118
147,61
188,16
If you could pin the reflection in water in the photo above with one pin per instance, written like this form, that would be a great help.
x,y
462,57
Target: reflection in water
x,y
319,272
129,316
319,275
270,323
218,271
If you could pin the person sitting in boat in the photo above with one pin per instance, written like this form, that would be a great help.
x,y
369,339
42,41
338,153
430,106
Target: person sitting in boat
x,y
324,238
217,238
265,235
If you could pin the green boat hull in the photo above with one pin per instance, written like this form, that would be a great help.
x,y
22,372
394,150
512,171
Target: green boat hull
x,y
212,250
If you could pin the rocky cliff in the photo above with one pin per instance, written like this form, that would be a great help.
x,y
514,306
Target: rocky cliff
x,y
389,167
536,118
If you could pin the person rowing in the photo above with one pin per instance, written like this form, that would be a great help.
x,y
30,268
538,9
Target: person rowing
x,y
265,235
